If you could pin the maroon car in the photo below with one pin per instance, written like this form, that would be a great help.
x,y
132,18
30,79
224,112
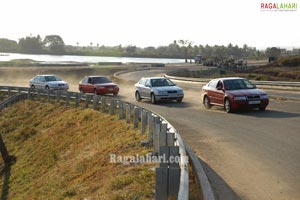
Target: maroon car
x,y
98,85
233,94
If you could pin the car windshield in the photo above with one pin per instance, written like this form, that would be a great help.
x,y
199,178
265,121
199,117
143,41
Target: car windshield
x,y
238,84
161,82
52,78
97,80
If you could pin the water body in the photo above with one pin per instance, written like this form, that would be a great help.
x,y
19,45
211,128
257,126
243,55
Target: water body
x,y
86,59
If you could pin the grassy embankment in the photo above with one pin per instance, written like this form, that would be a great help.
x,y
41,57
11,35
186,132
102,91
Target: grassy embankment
x,y
63,153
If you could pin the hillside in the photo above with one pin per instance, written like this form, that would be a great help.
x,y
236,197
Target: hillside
x,y
63,153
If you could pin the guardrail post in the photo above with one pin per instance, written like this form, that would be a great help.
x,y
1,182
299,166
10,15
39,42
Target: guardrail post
x,y
174,171
87,101
163,135
128,113
151,128
161,188
120,105
28,93
112,107
95,101
143,121
76,100
170,139
57,96
38,94
19,90
68,98
156,131
136,117
103,104
8,91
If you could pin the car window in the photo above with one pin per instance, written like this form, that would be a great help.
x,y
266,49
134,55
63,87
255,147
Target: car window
x,y
220,84
84,80
238,84
101,80
147,82
90,81
161,82
142,81
213,84
52,78
41,79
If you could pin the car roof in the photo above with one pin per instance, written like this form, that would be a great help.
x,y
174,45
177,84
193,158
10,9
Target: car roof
x,y
47,75
94,76
228,78
154,78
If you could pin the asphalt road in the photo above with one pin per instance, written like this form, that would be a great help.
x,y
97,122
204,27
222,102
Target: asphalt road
x,y
247,155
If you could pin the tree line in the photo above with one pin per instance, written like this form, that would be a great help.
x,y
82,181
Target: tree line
x,y
183,49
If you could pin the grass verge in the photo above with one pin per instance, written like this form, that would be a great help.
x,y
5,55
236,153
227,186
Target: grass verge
x,y
63,153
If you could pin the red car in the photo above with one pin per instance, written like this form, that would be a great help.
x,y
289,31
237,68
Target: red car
x,y
233,94
98,85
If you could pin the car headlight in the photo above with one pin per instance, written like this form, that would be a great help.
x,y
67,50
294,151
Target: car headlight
x,y
180,91
239,98
264,96
161,92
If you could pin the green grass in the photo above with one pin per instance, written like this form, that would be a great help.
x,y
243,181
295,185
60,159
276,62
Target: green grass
x,y
63,153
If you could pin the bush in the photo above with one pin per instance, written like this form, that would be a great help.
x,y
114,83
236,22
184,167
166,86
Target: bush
x,y
291,61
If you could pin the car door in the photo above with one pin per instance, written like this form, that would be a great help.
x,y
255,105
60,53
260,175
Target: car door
x,y
89,86
41,82
211,92
147,89
219,94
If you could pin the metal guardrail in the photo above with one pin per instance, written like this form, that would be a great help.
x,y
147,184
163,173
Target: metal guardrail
x,y
267,83
154,121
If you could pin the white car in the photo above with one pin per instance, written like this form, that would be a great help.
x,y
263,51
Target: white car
x,y
50,82
157,88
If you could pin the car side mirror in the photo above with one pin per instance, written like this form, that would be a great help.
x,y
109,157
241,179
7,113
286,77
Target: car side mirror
x,y
219,88
149,86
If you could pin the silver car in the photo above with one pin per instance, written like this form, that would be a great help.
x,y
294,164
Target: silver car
x,y
51,82
157,88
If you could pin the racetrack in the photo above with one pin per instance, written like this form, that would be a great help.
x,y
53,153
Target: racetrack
x,y
247,155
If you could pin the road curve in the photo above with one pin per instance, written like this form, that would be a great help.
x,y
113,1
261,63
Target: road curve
x,y
247,155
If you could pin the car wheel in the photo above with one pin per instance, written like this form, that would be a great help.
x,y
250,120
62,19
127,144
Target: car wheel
x,y
206,102
47,87
115,94
137,96
227,106
32,87
179,100
153,100
81,90
95,92
262,108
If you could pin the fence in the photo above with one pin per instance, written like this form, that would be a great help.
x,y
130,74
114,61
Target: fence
x,y
172,179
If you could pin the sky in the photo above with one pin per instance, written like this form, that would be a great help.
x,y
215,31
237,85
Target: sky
x,y
152,22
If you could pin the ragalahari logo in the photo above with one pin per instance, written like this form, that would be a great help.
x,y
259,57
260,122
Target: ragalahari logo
x,y
284,6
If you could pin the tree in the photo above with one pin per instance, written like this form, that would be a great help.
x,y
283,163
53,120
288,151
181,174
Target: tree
x,y
31,44
273,52
185,44
7,45
55,44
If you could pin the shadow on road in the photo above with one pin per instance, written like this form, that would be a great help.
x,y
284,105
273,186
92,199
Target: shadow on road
x,y
5,171
222,190
268,114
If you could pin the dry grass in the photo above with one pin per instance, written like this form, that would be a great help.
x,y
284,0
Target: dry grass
x,y
63,153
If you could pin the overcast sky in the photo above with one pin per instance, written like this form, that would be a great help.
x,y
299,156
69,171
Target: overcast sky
x,y
151,22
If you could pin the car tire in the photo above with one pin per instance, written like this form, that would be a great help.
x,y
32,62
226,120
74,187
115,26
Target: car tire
x,y
138,96
115,94
95,92
153,99
262,108
179,100
227,106
81,90
47,87
32,87
206,102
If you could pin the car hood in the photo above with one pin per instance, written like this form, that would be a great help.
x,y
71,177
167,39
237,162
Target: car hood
x,y
56,82
105,84
166,88
247,92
